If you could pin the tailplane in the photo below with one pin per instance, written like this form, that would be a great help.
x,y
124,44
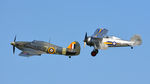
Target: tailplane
x,y
136,39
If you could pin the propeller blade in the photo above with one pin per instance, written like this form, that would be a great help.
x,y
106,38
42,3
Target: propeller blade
x,y
13,49
14,45
84,44
85,37
15,39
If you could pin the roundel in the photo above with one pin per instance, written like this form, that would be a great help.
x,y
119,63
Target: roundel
x,y
114,43
51,50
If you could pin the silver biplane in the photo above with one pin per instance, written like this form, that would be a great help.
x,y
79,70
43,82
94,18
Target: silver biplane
x,y
99,40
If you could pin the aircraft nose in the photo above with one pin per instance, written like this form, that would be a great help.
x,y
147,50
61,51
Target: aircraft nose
x,y
12,43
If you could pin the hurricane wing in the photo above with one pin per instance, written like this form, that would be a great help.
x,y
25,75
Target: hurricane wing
x,y
30,52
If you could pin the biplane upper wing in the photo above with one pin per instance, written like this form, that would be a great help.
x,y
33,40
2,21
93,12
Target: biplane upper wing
x,y
100,33
98,36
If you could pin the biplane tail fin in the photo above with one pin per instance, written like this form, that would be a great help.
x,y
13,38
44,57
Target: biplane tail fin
x,y
136,39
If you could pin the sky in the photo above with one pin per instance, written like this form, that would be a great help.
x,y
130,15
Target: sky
x,y
65,21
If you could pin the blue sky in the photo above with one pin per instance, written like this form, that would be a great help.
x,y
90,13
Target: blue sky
x,y
64,21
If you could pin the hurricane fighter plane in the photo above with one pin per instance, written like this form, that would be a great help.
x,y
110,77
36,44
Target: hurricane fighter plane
x,y
40,47
99,40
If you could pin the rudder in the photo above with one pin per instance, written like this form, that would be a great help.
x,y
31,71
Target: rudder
x,y
75,46
137,40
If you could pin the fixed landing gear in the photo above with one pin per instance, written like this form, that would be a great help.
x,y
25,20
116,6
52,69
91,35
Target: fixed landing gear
x,y
131,47
94,52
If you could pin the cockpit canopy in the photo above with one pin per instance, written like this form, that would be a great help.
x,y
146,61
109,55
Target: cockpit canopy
x,y
39,43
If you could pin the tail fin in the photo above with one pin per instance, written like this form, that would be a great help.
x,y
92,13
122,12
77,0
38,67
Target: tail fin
x,y
136,39
72,45
75,46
